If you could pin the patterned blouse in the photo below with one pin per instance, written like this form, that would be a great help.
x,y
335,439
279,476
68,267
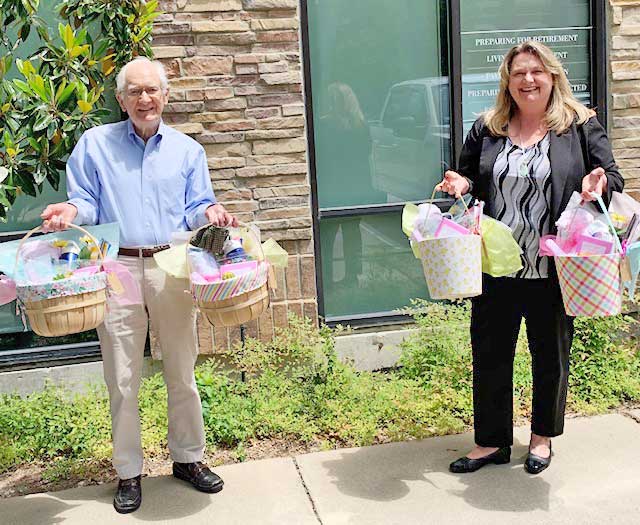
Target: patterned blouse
x,y
521,195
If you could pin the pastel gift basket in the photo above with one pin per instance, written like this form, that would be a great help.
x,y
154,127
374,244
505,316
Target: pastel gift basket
x,y
229,287
449,247
63,282
70,303
588,253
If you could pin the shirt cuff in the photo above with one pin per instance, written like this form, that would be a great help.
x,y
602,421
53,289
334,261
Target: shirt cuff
x,y
199,217
85,212
470,184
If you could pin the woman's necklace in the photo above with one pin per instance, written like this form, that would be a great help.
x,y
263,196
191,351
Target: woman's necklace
x,y
523,169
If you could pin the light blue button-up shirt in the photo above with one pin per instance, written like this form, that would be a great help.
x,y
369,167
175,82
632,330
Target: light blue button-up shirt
x,y
150,190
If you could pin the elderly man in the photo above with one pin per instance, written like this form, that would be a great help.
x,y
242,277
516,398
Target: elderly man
x,y
153,181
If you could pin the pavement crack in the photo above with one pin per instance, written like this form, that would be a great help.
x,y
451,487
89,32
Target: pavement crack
x,y
306,489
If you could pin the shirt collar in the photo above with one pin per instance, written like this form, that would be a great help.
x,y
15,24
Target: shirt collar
x,y
162,129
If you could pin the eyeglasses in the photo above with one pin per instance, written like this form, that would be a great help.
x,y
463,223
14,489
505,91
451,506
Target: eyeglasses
x,y
152,91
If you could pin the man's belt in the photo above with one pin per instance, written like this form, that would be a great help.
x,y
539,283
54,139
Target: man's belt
x,y
142,252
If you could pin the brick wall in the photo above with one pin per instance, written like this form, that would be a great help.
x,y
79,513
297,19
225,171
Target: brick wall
x,y
624,56
235,86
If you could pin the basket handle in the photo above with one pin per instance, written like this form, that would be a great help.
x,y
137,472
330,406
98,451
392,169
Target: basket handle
x,y
433,195
74,226
605,212
616,240
240,225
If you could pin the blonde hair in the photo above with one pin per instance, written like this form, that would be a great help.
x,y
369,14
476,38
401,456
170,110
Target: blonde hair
x,y
563,108
344,106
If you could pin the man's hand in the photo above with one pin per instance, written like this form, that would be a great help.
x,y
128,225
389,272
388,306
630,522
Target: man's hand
x,y
454,184
58,216
595,182
218,216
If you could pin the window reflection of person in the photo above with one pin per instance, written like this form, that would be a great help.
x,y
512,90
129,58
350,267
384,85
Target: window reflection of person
x,y
525,158
345,178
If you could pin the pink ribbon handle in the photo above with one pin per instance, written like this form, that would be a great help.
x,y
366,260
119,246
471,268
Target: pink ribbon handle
x,y
7,290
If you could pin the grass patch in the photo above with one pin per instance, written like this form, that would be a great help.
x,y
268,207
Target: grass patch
x,y
296,390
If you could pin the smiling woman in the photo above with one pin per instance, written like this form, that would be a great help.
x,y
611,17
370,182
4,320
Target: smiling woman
x,y
524,158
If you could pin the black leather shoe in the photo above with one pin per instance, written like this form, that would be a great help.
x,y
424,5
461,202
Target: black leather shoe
x,y
465,464
128,496
199,475
536,464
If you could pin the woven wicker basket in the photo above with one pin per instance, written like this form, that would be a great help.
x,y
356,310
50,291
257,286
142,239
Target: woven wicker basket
x,y
242,308
236,310
69,314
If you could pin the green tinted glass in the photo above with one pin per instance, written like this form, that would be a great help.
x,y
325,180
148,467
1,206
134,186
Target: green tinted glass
x,y
380,99
368,266
491,15
488,33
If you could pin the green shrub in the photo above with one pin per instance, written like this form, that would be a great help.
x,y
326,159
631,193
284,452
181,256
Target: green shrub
x,y
297,390
605,364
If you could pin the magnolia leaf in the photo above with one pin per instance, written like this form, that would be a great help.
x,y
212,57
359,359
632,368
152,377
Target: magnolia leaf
x,y
78,50
8,141
61,87
26,183
36,83
68,37
23,86
42,122
84,106
24,31
39,174
108,66
34,144
66,93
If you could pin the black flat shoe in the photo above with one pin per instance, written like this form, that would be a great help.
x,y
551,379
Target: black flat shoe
x,y
128,496
199,475
465,464
536,464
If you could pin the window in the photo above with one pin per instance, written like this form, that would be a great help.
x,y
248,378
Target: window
x,y
395,86
380,139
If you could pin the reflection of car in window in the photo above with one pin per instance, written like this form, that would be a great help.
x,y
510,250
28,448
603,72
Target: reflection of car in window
x,y
411,138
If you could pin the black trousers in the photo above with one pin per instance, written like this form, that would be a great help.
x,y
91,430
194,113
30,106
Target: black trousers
x,y
496,316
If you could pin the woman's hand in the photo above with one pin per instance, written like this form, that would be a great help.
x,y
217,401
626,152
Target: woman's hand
x,y
594,182
454,184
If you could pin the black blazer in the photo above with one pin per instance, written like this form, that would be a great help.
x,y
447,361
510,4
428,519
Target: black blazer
x,y
572,154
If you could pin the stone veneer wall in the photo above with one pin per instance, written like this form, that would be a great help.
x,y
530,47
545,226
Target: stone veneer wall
x,y
236,87
624,109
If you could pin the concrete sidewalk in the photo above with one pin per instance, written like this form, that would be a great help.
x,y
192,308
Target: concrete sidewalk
x,y
594,479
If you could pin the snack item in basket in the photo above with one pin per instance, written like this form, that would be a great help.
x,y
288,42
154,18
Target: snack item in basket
x,y
228,275
233,251
70,254
104,247
211,239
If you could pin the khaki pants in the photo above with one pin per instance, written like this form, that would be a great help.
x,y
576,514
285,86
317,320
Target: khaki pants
x,y
168,311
